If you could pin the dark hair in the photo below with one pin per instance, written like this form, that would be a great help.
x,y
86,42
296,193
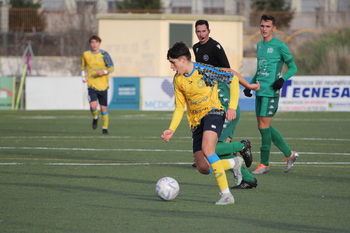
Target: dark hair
x,y
268,17
179,49
201,22
95,38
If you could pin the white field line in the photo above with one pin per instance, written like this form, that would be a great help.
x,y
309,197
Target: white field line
x,y
148,150
89,149
168,117
169,163
153,137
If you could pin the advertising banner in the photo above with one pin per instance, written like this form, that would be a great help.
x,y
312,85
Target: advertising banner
x,y
124,93
316,93
7,93
157,94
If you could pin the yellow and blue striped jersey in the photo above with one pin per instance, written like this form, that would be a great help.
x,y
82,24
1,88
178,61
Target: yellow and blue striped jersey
x,y
92,62
198,92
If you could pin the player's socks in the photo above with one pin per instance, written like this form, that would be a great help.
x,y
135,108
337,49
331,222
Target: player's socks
x,y
228,163
279,141
104,119
94,113
247,176
265,146
223,148
218,170
226,156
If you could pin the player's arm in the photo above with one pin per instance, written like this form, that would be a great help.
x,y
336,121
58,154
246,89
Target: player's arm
x,y
292,68
177,115
288,58
245,83
108,63
234,96
221,55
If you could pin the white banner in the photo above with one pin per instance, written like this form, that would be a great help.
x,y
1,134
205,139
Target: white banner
x,y
157,94
55,93
316,93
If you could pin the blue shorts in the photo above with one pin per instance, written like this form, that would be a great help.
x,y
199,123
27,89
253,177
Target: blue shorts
x,y
95,95
209,122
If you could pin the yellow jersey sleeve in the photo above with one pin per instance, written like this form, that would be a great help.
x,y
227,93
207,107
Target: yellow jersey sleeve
x,y
179,108
234,93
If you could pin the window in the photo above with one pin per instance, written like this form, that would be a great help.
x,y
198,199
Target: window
x,y
180,32
309,6
88,5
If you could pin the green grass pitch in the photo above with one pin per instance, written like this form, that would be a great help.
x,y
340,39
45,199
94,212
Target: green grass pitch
x,y
59,175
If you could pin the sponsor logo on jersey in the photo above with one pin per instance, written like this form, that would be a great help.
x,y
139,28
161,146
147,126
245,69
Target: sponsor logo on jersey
x,y
262,67
200,83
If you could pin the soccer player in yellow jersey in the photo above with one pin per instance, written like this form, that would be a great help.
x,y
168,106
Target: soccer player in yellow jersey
x,y
196,88
96,65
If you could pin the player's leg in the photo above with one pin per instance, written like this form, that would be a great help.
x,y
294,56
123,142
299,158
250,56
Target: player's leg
x,y
210,137
281,144
265,145
248,181
264,116
92,96
209,142
212,164
225,145
226,148
204,140
103,98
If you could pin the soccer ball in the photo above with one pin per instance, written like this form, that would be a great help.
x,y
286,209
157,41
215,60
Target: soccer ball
x,y
167,188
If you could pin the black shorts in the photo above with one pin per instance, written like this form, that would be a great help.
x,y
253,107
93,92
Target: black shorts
x,y
211,122
95,95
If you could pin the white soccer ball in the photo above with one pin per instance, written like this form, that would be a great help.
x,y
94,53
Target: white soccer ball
x,y
167,188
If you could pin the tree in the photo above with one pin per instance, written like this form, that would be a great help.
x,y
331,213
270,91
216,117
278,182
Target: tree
x,y
25,16
281,9
328,54
139,4
24,4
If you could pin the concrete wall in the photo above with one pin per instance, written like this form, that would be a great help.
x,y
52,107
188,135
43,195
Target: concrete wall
x,y
41,66
56,66
138,43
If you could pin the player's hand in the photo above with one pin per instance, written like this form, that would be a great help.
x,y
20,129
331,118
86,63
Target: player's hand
x,y
167,134
278,84
100,73
247,92
231,114
255,86
84,79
